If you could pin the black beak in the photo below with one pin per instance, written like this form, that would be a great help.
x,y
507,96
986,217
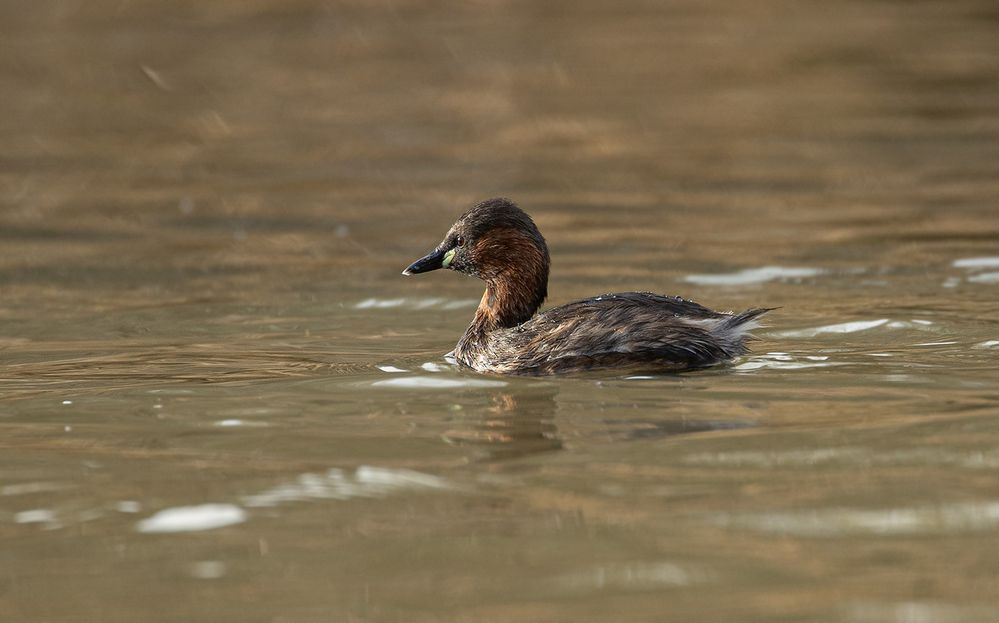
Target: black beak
x,y
427,263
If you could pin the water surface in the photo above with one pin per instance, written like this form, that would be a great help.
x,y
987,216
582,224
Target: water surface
x,y
220,401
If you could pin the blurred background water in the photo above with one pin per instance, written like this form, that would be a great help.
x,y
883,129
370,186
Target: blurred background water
x,y
219,400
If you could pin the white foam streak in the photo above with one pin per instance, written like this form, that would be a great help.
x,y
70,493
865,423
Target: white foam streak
x,y
192,518
634,575
832,522
420,304
781,365
337,484
436,382
977,262
31,487
379,303
752,276
843,327
985,278
36,515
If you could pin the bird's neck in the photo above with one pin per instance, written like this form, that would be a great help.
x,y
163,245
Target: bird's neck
x,y
510,300
515,269
507,302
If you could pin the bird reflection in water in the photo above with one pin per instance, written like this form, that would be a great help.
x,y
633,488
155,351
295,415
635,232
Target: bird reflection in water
x,y
518,422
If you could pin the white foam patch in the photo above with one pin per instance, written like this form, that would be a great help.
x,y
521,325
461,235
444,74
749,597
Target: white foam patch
x,y
977,262
985,278
37,515
433,367
337,484
390,369
192,518
987,344
436,382
751,276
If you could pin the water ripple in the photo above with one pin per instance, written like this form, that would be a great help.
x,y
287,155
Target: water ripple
x,y
634,575
834,522
783,361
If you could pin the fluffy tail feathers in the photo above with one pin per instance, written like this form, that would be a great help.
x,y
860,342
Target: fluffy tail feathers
x,y
734,331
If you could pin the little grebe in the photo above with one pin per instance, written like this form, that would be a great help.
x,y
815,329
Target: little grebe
x,y
498,242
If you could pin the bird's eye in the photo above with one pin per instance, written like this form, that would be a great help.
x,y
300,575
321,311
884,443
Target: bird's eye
x,y
459,241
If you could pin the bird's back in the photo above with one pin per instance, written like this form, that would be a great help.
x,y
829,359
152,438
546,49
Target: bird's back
x,y
631,329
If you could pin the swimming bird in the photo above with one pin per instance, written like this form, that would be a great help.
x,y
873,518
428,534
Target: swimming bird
x,y
498,242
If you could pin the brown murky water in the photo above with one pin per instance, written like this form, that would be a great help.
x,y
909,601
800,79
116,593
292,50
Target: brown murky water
x,y
219,400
